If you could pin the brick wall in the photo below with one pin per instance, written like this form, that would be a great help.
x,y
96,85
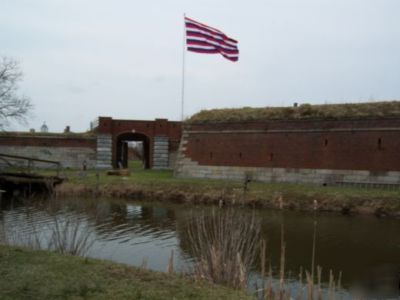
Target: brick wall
x,y
157,129
70,150
297,147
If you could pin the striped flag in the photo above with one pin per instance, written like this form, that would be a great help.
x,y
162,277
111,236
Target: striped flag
x,y
201,38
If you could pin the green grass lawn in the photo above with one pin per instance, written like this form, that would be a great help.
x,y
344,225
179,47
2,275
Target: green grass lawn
x,y
27,274
135,165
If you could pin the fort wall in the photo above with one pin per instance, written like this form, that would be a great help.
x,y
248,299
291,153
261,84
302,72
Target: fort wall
x,y
161,135
353,151
71,150
103,148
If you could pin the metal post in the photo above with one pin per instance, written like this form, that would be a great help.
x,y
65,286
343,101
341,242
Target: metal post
x,y
183,68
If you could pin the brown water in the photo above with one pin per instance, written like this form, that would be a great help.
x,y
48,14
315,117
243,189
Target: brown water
x,y
365,249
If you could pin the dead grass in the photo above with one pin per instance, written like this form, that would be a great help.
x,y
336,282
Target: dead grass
x,y
70,235
310,288
65,234
225,245
304,111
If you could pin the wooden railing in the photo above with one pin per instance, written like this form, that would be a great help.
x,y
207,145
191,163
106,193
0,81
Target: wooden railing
x,y
30,161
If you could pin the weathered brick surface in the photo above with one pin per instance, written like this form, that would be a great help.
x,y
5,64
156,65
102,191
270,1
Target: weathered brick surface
x,y
314,151
69,157
147,129
60,140
71,150
161,138
358,147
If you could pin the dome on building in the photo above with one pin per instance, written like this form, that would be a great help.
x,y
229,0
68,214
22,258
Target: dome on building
x,y
44,128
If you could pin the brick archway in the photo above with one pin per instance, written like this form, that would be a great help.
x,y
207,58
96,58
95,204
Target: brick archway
x,y
162,137
121,157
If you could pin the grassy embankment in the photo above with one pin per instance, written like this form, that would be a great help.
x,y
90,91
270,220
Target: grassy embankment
x,y
163,186
29,274
383,109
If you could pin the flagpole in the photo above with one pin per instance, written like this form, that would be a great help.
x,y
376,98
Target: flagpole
x,y
183,69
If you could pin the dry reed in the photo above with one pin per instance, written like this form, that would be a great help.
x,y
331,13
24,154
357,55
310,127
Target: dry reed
x,y
66,234
310,289
170,267
70,235
225,244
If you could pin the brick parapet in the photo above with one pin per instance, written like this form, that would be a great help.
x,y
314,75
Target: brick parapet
x,y
298,124
61,140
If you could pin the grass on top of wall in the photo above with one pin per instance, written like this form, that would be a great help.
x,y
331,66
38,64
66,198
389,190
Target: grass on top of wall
x,y
303,111
29,274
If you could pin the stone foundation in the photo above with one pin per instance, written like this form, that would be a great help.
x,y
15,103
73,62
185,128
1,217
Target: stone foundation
x,y
161,153
191,169
104,151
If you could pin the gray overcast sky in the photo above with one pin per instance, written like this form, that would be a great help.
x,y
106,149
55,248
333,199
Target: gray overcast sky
x,y
123,58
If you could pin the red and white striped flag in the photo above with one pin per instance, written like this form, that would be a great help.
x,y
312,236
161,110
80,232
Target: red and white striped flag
x,y
201,38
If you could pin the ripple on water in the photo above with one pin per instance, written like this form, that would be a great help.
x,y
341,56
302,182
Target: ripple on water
x,y
129,233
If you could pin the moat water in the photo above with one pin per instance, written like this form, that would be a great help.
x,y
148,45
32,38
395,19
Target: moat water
x,y
365,249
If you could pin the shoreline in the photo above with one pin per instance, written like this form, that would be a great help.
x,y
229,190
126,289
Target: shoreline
x,y
344,200
38,274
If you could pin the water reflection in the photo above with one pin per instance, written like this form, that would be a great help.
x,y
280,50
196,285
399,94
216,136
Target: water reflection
x,y
365,249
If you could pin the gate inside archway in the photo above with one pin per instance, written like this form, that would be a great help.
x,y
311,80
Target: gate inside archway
x,y
160,140
124,147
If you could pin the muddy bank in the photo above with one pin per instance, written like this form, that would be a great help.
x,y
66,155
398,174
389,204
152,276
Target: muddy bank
x,y
385,206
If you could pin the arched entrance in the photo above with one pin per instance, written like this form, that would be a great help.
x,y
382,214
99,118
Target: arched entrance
x,y
125,147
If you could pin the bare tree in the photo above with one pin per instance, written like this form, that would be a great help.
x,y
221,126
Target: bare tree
x,y
13,106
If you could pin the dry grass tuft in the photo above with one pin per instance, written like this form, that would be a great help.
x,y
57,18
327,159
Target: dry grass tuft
x,y
70,235
225,244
